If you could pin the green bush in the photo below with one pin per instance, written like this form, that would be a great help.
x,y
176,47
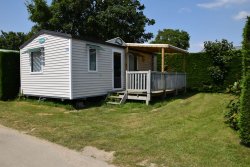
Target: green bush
x,y
232,116
245,102
9,75
221,54
244,122
216,73
197,69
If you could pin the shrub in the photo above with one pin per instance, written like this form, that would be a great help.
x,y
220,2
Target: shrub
x,y
244,122
216,73
221,54
232,116
9,75
245,111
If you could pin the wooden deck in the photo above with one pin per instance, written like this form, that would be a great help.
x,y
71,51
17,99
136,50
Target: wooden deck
x,y
142,85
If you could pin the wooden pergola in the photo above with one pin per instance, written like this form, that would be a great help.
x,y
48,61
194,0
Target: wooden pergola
x,y
156,48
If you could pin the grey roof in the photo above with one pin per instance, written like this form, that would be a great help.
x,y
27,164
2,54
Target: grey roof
x,y
115,41
65,35
6,50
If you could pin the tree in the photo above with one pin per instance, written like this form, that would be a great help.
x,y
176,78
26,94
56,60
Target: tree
x,y
12,40
221,53
174,37
244,122
93,18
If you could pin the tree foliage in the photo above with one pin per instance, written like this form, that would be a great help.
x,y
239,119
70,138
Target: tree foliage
x,y
244,122
12,40
93,18
174,37
221,53
246,35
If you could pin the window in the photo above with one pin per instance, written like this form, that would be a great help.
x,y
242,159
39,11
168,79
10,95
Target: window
x,y
36,61
92,60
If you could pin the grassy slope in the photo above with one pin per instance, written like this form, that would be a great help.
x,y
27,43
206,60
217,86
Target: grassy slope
x,y
182,132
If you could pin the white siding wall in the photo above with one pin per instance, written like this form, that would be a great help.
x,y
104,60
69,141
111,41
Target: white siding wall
x,y
54,81
85,83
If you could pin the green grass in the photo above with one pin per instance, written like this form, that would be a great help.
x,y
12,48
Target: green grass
x,y
185,131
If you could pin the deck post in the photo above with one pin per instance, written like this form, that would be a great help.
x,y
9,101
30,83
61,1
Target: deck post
x,y
162,59
148,87
176,88
185,82
126,58
165,84
127,80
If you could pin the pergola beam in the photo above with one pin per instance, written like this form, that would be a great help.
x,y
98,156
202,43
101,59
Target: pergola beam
x,y
126,58
162,59
156,47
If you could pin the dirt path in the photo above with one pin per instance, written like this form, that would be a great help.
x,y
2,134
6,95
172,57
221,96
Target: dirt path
x,y
18,149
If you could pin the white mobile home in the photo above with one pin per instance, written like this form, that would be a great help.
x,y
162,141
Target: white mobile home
x,y
56,65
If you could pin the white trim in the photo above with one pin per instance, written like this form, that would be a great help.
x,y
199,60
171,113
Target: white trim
x,y
20,61
122,68
70,70
42,63
128,61
94,71
6,50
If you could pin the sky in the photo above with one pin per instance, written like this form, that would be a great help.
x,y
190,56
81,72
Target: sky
x,y
204,20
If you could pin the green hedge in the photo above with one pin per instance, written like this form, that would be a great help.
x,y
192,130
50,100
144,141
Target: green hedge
x,y
9,75
234,69
197,64
245,110
244,122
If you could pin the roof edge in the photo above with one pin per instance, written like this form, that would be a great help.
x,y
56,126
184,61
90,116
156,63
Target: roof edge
x,y
59,34
65,35
156,46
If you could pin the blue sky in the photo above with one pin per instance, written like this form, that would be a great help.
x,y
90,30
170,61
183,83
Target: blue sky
x,y
203,19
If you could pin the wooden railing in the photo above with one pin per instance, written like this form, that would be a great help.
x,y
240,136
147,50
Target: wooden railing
x,y
137,80
148,81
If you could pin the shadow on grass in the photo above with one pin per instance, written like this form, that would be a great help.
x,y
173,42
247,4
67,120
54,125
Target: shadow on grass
x,y
171,96
67,104
100,101
245,145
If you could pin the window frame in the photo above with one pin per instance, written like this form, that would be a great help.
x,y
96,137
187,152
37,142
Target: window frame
x,y
96,60
41,50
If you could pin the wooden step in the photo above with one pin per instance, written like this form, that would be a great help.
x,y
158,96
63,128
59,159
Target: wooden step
x,y
116,103
132,97
115,97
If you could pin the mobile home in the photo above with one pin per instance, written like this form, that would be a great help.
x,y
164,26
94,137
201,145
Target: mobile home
x,y
56,65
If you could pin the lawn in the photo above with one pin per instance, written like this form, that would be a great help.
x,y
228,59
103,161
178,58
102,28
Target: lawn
x,y
183,131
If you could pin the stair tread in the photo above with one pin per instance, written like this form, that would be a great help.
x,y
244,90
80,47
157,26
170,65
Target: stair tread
x,y
116,97
112,102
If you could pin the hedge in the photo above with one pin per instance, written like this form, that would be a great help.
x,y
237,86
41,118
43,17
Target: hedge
x,y
197,64
245,109
9,75
244,122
